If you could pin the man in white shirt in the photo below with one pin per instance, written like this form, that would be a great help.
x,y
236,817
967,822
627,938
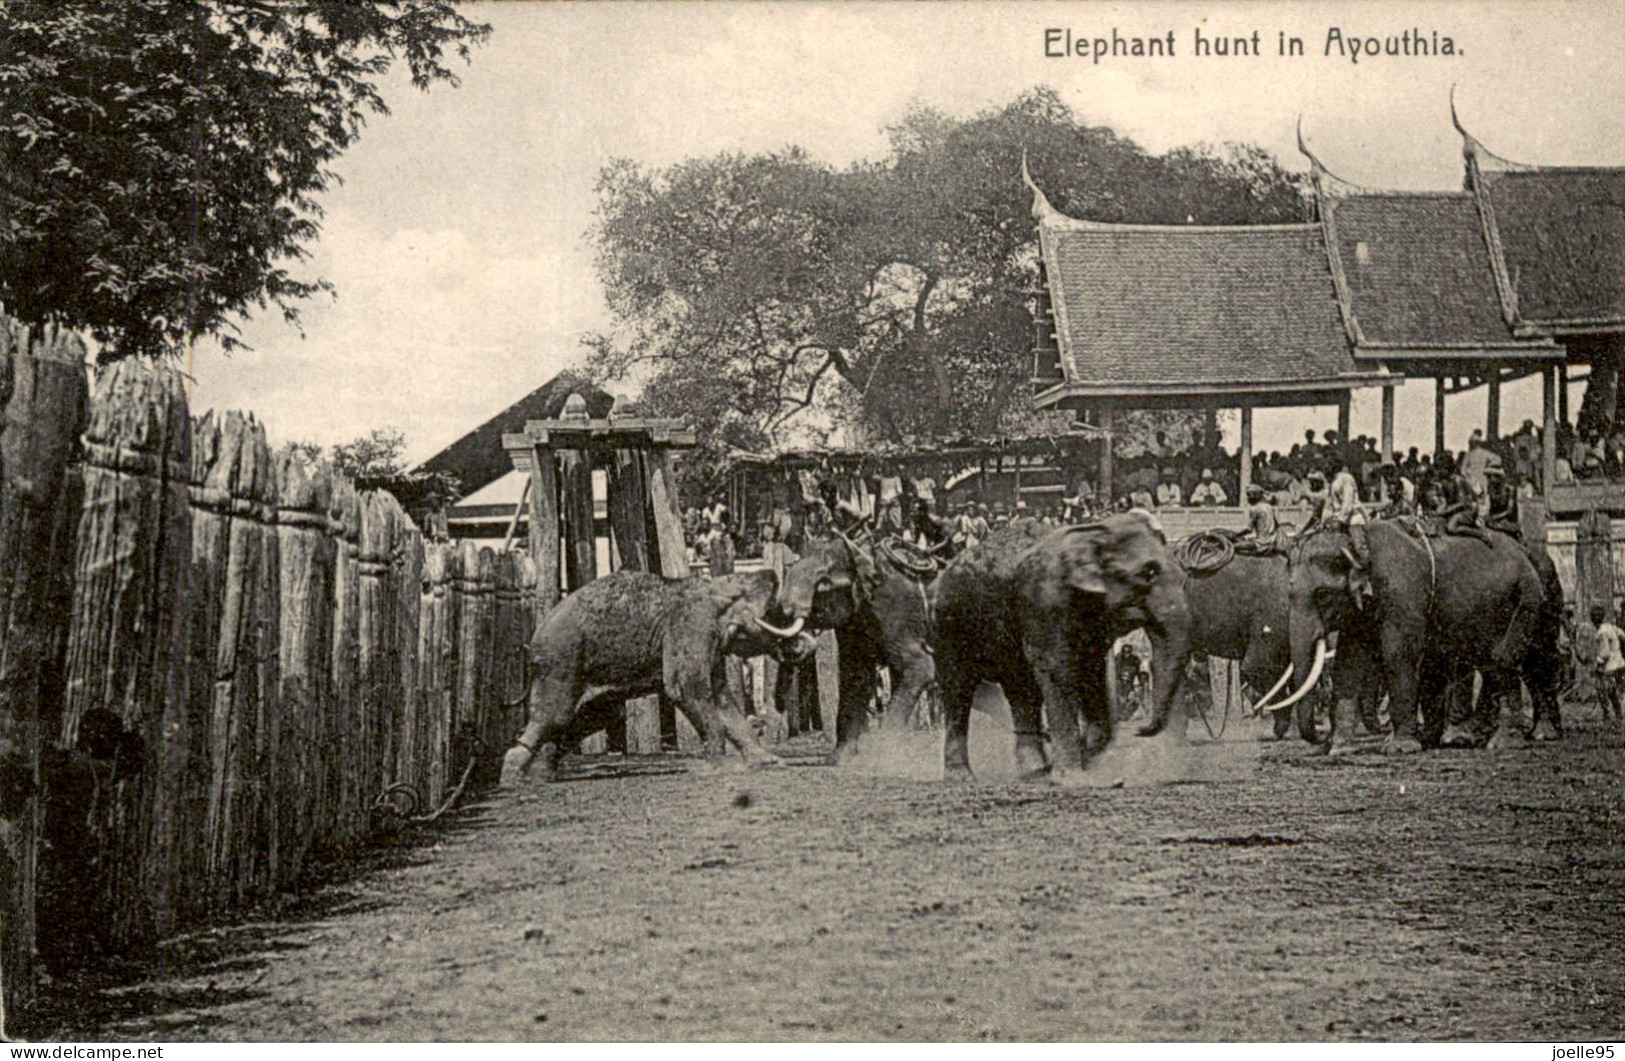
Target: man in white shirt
x,y
1609,664
1168,493
1208,492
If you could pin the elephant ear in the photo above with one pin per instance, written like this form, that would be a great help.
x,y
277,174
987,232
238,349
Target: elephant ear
x,y
1081,560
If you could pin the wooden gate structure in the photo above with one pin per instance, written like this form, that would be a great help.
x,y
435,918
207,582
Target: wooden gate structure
x,y
646,529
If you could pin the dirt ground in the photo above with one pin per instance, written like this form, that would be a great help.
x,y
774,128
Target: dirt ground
x,y
1233,891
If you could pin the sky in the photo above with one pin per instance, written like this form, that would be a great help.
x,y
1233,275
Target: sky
x,y
458,239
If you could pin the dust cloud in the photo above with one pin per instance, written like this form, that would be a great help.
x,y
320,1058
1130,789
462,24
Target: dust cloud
x,y
1169,758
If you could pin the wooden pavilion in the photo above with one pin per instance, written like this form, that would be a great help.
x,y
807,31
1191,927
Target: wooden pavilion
x,y
1190,316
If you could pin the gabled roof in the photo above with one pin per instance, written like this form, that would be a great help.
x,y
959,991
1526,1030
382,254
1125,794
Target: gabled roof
x,y
1557,236
1193,309
1416,269
478,457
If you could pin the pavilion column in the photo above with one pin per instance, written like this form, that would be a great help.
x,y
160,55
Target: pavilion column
x,y
1387,433
1343,417
1548,434
1246,477
1492,416
1438,416
1387,441
1108,423
1563,392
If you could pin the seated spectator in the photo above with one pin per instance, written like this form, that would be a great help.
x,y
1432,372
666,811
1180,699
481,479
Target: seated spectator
x,y
1168,492
1140,497
1208,492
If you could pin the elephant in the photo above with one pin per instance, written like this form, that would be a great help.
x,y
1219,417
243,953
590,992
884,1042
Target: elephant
x,y
880,612
1240,612
631,634
1035,609
1439,607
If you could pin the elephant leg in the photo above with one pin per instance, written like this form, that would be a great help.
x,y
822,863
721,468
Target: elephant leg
x,y
1543,673
1061,682
1402,672
727,710
1433,685
958,692
552,706
857,686
916,671
1095,703
784,698
1025,697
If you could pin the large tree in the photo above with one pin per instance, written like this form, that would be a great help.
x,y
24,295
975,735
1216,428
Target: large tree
x,y
894,294
160,160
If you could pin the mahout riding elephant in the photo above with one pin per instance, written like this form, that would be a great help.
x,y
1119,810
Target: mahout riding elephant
x,y
631,634
876,598
1035,609
1438,608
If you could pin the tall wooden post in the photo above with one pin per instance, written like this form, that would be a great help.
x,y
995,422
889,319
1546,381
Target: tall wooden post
x,y
1246,477
544,528
1548,430
671,554
1563,392
1492,416
580,547
1343,417
1108,423
626,509
1438,416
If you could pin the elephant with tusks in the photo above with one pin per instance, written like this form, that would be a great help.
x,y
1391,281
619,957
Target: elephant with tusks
x,y
631,634
1438,609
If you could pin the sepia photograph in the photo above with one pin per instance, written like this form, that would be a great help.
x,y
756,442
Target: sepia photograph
x,y
741,521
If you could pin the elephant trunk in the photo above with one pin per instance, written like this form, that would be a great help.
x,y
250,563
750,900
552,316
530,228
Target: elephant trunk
x,y
1170,634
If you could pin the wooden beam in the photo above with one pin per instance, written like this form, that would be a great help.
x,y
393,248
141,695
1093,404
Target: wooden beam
x,y
1246,478
627,515
1438,416
518,510
672,554
1343,416
580,545
1563,392
544,529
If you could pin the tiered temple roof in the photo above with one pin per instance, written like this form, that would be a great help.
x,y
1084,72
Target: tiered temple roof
x,y
1558,233
1429,282
1167,314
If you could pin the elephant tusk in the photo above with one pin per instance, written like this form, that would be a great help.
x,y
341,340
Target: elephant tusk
x,y
786,632
1264,701
1309,683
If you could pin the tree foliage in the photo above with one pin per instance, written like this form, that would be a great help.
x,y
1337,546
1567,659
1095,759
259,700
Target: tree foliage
x,y
376,455
160,160
750,291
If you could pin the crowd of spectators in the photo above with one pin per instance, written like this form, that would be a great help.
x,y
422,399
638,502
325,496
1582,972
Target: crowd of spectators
x,y
1203,474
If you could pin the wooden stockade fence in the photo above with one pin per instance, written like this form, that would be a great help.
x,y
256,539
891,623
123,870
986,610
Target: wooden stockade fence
x,y
214,659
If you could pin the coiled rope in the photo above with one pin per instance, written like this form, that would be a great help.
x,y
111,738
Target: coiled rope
x,y
1205,552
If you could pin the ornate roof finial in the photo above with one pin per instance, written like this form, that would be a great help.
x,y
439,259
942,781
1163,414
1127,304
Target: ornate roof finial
x,y
1469,143
1315,164
1042,210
